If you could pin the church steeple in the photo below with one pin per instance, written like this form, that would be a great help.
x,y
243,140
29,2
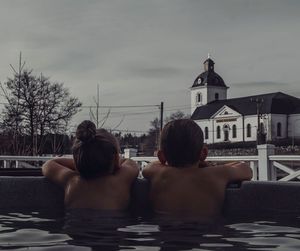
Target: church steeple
x,y
207,87
209,64
209,77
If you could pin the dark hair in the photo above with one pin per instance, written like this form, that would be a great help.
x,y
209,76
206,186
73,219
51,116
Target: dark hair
x,y
94,150
181,142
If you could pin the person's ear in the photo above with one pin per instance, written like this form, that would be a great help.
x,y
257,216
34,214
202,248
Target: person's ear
x,y
161,157
204,153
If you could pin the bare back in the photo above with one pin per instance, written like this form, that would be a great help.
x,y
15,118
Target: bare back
x,y
190,191
108,192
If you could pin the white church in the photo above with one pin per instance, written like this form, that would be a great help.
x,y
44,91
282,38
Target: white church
x,y
237,119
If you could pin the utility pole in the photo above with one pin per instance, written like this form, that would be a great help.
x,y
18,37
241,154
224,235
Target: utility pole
x,y
97,109
260,136
161,115
158,133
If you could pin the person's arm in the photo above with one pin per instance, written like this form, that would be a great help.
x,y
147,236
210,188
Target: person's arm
x,y
69,163
129,169
238,171
59,170
151,169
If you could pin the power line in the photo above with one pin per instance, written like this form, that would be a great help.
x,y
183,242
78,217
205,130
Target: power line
x,y
126,106
118,130
128,131
118,106
104,106
145,112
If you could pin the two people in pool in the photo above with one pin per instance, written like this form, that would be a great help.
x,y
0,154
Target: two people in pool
x,y
181,181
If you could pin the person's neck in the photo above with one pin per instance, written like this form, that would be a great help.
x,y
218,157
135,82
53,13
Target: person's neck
x,y
194,165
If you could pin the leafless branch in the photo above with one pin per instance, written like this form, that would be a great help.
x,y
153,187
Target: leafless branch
x,y
105,118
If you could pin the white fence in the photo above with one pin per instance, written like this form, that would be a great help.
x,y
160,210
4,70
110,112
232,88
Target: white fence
x,y
22,161
287,164
265,165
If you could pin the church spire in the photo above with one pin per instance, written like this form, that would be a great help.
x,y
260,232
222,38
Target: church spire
x,y
207,87
209,64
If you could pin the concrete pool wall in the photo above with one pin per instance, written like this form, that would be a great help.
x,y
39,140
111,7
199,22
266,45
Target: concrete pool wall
x,y
253,197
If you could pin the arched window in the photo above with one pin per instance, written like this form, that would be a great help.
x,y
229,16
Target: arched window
x,y
199,97
216,96
278,129
234,131
206,132
248,130
218,132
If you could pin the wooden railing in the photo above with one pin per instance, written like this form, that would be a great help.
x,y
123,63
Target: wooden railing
x,y
265,166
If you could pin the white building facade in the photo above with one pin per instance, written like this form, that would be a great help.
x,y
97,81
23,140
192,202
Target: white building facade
x,y
275,115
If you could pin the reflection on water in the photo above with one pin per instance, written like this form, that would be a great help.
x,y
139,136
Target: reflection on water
x,y
266,235
32,229
95,230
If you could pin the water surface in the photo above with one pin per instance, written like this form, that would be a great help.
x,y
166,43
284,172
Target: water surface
x,y
94,230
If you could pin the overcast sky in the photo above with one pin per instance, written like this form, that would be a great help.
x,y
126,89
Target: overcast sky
x,y
142,52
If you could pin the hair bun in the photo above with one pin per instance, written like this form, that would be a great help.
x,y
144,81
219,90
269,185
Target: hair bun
x,y
86,131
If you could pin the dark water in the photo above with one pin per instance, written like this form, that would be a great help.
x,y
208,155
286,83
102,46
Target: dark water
x,y
94,230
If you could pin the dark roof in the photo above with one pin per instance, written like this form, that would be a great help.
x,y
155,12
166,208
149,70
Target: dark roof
x,y
273,103
209,77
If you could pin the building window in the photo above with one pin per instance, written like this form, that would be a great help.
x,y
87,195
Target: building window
x,y
199,97
234,131
248,130
206,132
218,132
216,96
278,129
226,132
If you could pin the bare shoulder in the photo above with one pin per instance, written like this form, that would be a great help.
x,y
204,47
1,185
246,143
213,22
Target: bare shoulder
x,y
152,168
129,169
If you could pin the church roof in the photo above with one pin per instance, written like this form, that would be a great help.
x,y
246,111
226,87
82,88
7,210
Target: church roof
x,y
273,103
209,77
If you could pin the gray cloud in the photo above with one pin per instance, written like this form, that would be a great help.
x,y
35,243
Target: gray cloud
x,y
150,51
149,72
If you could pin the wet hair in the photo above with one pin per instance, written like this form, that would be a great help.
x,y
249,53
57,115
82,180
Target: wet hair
x,y
181,142
94,151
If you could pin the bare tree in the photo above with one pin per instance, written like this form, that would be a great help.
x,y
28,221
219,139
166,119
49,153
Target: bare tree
x,y
151,141
176,115
152,138
35,107
94,114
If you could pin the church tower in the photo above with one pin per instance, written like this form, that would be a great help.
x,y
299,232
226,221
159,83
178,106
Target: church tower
x,y
207,87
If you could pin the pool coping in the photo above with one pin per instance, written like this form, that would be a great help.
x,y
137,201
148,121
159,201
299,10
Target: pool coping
x,y
251,197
